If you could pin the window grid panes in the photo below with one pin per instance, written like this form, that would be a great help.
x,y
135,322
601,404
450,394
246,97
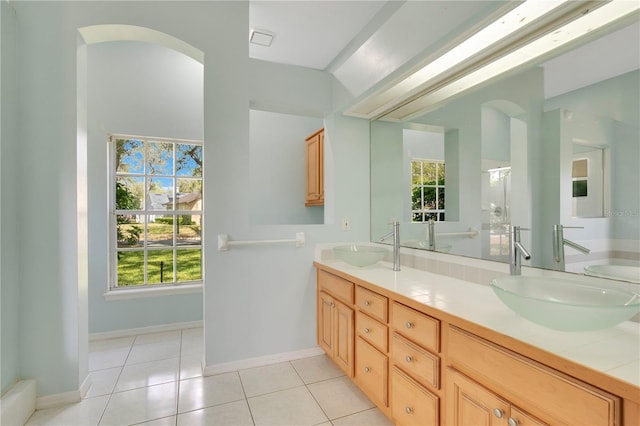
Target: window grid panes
x,y
427,190
156,211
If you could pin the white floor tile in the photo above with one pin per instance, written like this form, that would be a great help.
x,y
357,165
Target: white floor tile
x,y
339,397
372,417
141,405
154,351
103,381
165,421
270,378
190,366
83,413
316,368
231,414
148,374
192,342
205,392
288,407
107,358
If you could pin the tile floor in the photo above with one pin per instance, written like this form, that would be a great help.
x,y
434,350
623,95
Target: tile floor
x,y
156,379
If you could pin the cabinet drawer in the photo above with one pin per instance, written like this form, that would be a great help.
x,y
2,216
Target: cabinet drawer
x,y
372,331
420,364
337,286
411,404
372,303
544,392
420,328
372,372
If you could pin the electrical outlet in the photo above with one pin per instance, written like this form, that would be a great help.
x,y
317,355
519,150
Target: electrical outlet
x,y
346,224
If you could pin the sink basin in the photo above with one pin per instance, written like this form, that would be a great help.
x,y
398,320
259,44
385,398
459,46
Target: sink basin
x,y
616,272
359,255
566,305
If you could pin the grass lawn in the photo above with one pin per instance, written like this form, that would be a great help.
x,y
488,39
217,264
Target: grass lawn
x,y
131,266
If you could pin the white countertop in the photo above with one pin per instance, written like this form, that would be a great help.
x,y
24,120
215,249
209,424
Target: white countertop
x,y
614,351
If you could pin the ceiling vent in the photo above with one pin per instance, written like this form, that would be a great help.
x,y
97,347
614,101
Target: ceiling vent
x,y
261,37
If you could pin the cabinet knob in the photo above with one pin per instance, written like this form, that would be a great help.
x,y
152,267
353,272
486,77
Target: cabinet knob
x,y
498,412
333,305
366,330
367,303
409,324
513,422
408,410
367,369
409,358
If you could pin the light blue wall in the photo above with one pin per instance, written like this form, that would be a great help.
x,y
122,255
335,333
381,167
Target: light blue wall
x,y
10,193
135,88
257,300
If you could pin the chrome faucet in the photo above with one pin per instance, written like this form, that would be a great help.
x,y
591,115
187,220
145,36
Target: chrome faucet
x,y
432,234
559,241
516,251
395,233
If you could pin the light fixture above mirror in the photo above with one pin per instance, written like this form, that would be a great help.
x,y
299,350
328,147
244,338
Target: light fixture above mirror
x,y
526,33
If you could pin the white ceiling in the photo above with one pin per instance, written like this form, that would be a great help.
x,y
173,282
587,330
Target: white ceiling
x,y
309,33
362,42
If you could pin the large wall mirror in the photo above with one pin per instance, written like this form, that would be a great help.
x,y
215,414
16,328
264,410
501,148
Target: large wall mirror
x,y
277,168
557,143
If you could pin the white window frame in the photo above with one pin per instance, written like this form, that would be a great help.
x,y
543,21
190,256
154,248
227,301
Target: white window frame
x,y
115,292
437,186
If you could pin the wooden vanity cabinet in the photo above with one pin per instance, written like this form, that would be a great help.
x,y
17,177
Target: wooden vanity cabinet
x,y
315,169
415,379
470,404
547,394
423,367
336,320
372,345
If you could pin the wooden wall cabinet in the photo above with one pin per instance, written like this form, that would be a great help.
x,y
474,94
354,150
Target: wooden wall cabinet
x,y
315,169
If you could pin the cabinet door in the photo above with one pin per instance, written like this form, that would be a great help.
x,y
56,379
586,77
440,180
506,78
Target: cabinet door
x,y
469,404
325,323
343,343
315,170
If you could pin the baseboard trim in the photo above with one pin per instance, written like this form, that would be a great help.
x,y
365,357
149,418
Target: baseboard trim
x,y
226,367
18,403
84,387
144,330
58,399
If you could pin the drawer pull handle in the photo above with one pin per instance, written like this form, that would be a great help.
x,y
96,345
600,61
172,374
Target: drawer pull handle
x,y
409,358
409,410
367,369
367,303
409,324
513,422
366,330
498,412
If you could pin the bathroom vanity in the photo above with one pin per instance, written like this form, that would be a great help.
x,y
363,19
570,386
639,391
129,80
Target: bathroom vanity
x,y
429,349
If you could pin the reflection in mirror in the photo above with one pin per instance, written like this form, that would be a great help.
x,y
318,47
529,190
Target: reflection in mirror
x,y
277,168
515,151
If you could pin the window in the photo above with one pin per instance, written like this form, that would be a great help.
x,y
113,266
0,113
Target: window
x,y
156,211
427,190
